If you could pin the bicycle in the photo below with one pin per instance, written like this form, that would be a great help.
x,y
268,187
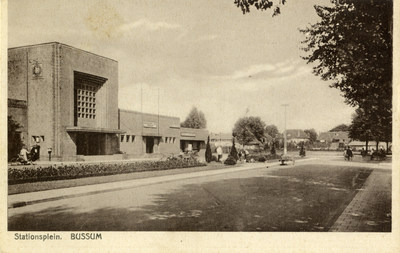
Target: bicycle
x,y
19,160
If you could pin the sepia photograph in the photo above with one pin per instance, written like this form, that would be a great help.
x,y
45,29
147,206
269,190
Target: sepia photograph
x,y
199,126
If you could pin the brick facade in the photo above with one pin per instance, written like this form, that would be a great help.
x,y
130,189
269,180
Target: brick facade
x,y
43,77
66,100
144,129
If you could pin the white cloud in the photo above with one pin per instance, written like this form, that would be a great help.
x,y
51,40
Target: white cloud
x,y
148,25
276,71
285,69
253,70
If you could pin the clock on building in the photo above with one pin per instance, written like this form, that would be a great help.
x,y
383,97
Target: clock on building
x,y
37,70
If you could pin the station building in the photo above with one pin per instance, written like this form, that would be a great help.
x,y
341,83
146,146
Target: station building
x,y
66,102
157,134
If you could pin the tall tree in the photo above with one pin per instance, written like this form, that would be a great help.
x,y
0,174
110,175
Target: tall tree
x,y
272,131
340,128
234,152
312,134
247,129
366,127
208,151
195,119
353,48
14,139
361,128
352,45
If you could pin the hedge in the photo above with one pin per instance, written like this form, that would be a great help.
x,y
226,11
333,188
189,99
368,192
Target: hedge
x,y
61,172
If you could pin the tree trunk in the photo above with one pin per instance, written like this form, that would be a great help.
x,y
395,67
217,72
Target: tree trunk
x,y
377,142
366,144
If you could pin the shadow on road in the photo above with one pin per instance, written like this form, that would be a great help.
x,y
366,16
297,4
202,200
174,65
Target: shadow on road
x,y
298,198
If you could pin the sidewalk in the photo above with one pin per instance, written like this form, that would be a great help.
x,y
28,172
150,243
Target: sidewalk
x,y
370,210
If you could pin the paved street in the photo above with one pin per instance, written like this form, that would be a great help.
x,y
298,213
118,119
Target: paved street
x,y
253,197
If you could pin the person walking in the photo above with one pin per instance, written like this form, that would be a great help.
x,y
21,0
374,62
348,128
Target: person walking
x,y
219,153
349,154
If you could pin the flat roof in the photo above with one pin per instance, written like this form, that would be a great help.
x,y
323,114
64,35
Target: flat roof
x,y
95,130
62,44
145,113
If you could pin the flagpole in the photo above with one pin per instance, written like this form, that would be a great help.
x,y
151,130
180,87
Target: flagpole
x,y
285,140
141,111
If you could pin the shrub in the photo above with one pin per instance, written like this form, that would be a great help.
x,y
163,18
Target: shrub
x,y
262,159
234,152
252,158
379,154
214,158
230,161
208,151
54,172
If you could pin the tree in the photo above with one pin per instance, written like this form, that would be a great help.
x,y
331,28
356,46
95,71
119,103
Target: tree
x,y
352,46
14,139
234,152
340,128
364,129
248,129
259,4
273,150
360,128
272,130
195,119
208,151
312,134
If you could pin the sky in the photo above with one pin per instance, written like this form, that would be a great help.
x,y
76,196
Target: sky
x,y
176,54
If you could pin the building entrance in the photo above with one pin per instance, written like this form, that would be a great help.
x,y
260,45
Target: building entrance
x,y
90,144
149,145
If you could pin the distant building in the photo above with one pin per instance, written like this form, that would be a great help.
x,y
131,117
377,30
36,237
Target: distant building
x,y
222,139
255,144
359,145
225,140
66,101
296,136
337,140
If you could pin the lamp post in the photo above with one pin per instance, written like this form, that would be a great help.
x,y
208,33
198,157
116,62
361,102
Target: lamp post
x,y
49,151
284,134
